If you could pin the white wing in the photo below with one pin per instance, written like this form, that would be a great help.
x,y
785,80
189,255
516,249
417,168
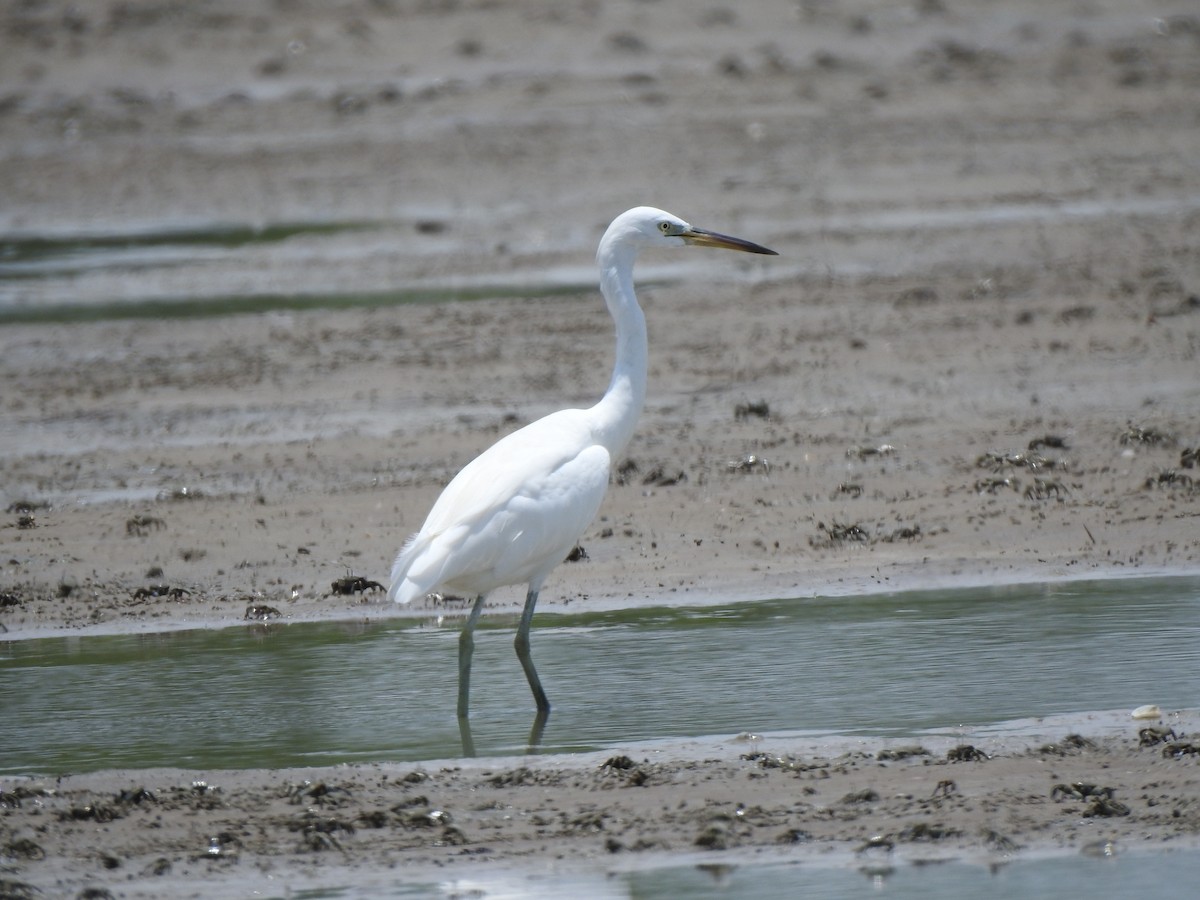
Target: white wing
x,y
511,515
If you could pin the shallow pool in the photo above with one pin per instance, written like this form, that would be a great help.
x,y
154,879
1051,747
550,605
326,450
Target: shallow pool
x,y
313,694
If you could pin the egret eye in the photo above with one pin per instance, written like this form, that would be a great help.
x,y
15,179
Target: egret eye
x,y
664,227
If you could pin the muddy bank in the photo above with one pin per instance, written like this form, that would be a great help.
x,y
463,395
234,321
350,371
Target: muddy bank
x,y
1085,784
183,474
974,360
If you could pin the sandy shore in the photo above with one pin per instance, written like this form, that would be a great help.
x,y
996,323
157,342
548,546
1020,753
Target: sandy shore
x,y
974,362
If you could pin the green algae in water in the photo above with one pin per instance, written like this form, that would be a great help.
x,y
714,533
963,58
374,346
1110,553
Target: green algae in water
x,y
24,258
242,304
15,249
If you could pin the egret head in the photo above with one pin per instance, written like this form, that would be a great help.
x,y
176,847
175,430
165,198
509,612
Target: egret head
x,y
655,227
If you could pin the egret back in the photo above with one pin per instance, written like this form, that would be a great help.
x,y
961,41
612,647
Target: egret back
x,y
511,515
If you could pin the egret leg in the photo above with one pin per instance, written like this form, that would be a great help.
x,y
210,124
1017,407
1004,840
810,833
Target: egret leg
x,y
464,732
535,733
466,647
522,645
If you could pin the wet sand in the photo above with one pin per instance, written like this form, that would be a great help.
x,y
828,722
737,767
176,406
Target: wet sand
x,y
974,361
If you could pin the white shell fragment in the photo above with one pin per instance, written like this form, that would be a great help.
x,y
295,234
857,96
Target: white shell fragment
x,y
1149,711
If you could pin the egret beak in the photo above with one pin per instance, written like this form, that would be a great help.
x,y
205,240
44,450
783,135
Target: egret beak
x,y
698,237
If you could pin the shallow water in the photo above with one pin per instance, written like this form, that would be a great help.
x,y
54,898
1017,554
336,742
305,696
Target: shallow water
x,y
1114,878
188,269
891,665
1095,877
62,278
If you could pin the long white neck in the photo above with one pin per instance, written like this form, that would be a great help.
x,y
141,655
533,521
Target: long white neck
x,y
616,415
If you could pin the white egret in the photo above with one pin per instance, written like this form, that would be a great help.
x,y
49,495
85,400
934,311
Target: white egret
x,y
516,511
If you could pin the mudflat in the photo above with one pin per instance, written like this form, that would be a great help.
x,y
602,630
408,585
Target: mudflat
x,y
974,362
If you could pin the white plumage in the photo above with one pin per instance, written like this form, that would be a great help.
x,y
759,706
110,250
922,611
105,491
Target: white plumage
x,y
499,522
514,512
